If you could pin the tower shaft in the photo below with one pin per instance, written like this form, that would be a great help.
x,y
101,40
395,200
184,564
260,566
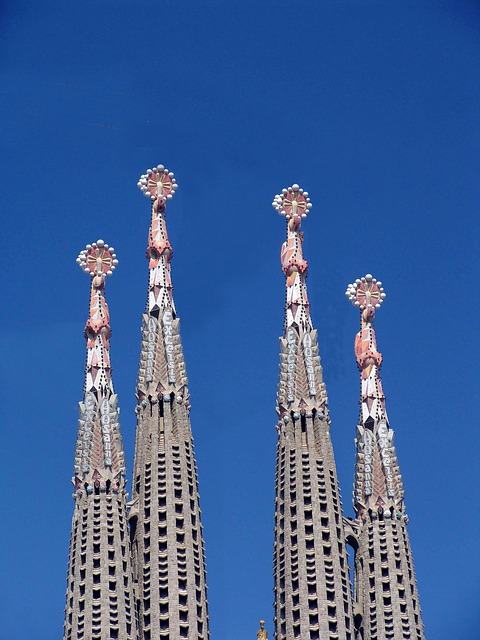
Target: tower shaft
x,y
100,603
312,590
386,594
311,577
165,517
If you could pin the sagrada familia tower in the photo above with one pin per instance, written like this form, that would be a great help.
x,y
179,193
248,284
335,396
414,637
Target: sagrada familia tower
x,y
137,569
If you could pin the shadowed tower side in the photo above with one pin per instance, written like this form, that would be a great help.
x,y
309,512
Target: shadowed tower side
x,y
386,596
311,579
100,602
165,517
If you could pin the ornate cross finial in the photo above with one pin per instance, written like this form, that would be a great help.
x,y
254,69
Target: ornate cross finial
x,y
158,183
99,260
292,203
367,294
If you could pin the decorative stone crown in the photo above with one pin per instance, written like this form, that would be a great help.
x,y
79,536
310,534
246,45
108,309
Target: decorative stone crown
x,y
158,182
292,202
97,259
366,293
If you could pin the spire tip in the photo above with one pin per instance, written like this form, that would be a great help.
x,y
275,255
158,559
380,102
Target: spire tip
x,y
292,202
366,292
97,259
158,182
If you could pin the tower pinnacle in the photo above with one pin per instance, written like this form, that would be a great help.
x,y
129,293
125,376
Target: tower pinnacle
x,y
163,369
301,386
386,595
378,482
294,204
99,261
159,185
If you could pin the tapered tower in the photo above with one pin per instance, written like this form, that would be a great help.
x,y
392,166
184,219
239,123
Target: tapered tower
x,y
386,596
100,603
312,589
166,529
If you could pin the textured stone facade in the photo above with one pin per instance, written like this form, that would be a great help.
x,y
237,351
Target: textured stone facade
x,y
312,590
100,602
386,595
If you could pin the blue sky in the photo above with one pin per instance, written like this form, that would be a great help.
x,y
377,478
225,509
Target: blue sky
x,y
370,105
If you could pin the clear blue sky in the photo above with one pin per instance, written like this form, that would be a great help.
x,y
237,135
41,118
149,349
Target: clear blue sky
x,y
370,105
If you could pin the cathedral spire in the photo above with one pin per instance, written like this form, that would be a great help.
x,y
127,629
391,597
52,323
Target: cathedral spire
x,y
301,386
378,483
294,204
100,591
163,370
385,589
311,580
165,517
99,451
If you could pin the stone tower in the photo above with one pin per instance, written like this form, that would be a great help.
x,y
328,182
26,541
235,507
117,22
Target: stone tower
x,y
386,596
311,576
165,518
100,602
